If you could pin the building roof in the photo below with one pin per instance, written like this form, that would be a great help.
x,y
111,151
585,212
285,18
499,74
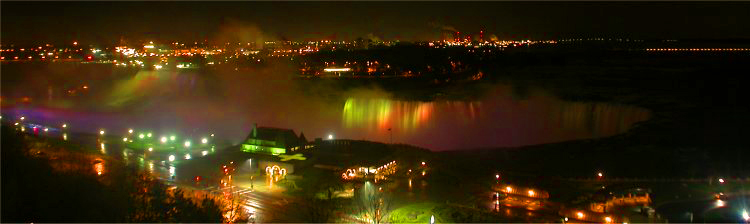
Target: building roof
x,y
282,137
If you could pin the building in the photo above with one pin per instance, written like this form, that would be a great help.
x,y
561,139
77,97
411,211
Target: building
x,y
273,141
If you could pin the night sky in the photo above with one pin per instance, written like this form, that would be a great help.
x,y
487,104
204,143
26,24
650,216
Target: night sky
x,y
108,22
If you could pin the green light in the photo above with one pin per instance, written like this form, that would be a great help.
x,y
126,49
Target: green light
x,y
149,135
141,136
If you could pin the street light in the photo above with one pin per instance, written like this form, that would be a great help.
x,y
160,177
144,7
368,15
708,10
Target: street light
x,y
163,139
187,143
721,180
171,158
330,137
130,131
608,219
101,132
204,140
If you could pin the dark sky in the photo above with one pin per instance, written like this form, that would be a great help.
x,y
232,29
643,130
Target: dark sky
x,y
107,22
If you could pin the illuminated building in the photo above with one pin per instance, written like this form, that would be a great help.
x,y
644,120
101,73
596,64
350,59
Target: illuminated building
x,y
272,140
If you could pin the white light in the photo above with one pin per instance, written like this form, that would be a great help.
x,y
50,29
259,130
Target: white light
x,y
64,125
150,149
719,203
171,158
23,118
204,153
187,143
130,131
101,132
141,136
157,66
46,129
745,215
337,69
204,140
721,180
172,137
330,137
187,156
148,135
124,139
163,139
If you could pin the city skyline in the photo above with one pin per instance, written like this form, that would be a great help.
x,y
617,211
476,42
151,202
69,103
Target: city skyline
x,y
108,23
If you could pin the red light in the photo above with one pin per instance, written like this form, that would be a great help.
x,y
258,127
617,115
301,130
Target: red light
x,y
89,57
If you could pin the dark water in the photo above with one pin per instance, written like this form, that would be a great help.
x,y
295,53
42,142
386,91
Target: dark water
x,y
227,102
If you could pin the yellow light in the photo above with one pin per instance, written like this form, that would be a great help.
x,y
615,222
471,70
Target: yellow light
x,y
130,131
580,215
531,193
64,125
163,139
150,149
101,132
204,140
508,189
607,219
124,139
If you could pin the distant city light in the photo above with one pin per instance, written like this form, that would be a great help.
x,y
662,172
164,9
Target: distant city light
x,y
148,135
101,132
150,149
745,215
719,203
187,143
608,219
64,125
172,138
141,136
330,137
130,131
22,118
337,69
171,158
204,153
187,156
163,139
124,139
580,215
600,174
46,129
721,180
204,140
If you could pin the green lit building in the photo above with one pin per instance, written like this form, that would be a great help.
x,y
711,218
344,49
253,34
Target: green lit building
x,y
273,141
